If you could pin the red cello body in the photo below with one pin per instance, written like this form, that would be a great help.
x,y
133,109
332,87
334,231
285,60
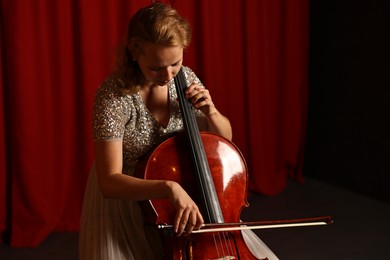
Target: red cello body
x,y
171,161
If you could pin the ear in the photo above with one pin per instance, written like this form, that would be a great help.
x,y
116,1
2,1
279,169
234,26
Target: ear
x,y
135,48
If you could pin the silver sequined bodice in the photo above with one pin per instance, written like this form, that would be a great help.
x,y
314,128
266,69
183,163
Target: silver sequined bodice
x,y
117,116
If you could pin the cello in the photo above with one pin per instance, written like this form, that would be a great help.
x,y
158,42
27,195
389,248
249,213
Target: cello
x,y
214,173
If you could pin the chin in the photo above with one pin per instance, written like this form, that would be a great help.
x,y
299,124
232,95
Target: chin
x,y
163,83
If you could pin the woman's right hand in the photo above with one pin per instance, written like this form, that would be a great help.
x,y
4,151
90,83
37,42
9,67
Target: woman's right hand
x,y
188,216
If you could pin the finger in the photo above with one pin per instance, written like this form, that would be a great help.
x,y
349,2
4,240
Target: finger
x,y
192,221
199,98
204,95
178,218
190,89
199,222
182,223
193,90
203,103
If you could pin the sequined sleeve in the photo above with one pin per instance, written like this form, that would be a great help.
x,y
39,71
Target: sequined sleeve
x,y
110,112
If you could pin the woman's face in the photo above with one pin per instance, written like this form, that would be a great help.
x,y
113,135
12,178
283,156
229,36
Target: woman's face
x,y
160,64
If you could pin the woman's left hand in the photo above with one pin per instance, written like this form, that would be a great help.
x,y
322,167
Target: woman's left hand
x,y
214,122
201,99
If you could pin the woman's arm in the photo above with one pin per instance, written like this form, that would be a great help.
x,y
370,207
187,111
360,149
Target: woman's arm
x,y
114,184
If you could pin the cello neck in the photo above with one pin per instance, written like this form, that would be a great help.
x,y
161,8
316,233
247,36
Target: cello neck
x,y
211,207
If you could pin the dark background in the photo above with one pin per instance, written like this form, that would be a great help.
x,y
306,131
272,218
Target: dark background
x,y
348,141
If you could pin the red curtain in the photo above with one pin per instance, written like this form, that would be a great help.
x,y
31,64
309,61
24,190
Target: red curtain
x,y
252,55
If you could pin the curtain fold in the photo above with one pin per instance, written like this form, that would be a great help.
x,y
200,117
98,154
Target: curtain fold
x,y
3,161
252,55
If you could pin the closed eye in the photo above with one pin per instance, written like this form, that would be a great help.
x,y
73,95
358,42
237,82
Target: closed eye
x,y
161,68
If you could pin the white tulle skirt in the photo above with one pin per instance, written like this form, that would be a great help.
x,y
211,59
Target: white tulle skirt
x,y
256,246
112,229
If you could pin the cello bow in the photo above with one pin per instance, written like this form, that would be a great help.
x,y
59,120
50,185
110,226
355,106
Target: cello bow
x,y
266,224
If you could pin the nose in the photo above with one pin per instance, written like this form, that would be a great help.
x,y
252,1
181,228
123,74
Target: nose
x,y
167,73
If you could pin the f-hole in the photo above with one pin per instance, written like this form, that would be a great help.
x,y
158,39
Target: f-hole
x,y
189,248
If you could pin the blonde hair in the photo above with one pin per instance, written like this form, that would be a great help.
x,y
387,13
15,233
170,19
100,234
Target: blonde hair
x,y
157,24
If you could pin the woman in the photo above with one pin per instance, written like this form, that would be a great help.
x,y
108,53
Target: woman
x,y
135,109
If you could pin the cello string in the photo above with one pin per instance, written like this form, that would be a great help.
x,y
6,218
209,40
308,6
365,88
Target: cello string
x,y
200,160
216,246
228,243
222,241
225,244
